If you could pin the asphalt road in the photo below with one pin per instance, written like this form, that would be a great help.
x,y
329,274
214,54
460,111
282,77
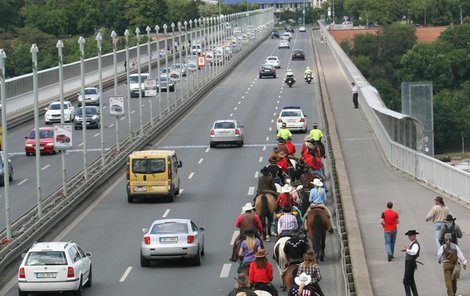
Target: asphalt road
x,y
216,183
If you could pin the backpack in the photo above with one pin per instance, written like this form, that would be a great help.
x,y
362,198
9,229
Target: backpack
x,y
450,230
450,254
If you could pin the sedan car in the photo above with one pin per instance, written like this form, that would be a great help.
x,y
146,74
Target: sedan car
x,y
293,117
267,70
274,61
302,29
46,141
92,118
165,84
182,68
92,96
54,267
298,54
286,35
275,34
284,44
3,166
53,112
226,131
172,239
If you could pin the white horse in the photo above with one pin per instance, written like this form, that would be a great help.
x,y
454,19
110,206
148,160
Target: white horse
x,y
279,254
262,293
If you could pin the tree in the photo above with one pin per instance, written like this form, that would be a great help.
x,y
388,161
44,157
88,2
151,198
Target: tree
x,y
143,13
9,11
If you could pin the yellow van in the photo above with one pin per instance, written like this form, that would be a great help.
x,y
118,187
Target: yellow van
x,y
152,173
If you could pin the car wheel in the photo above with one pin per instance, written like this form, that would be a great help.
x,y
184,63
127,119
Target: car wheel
x,y
260,76
144,262
22,293
80,289
274,76
90,278
240,144
130,198
212,145
11,176
171,195
197,259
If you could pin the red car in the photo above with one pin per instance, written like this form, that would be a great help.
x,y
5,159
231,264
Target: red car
x,y
46,141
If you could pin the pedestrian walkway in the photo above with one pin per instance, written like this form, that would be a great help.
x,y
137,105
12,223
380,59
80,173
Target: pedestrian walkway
x,y
373,183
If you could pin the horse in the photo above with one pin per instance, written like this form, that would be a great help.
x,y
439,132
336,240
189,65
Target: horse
x,y
302,200
289,275
279,254
265,207
317,225
262,293
248,222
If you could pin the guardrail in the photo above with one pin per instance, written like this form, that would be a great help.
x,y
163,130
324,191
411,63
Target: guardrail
x,y
29,227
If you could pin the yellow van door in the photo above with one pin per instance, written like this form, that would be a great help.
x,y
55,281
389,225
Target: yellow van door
x,y
149,176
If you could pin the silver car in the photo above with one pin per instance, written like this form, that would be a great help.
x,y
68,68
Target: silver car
x,y
172,239
92,96
226,131
183,69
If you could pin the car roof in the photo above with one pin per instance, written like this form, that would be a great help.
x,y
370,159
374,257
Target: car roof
x,y
91,87
276,57
58,102
57,246
291,107
141,74
44,128
267,65
154,153
298,49
174,220
225,120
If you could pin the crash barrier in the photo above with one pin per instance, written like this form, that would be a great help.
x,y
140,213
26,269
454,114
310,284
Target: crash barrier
x,y
56,207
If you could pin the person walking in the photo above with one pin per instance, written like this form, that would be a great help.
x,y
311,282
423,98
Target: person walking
x,y
450,227
450,255
411,254
355,93
438,215
125,66
389,221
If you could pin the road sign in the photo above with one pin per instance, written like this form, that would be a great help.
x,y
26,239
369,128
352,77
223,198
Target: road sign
x,y
63,136
192,65
116,106
201,61
150,86
209,55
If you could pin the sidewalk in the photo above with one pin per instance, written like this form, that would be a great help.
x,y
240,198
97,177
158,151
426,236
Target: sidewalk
x,y
373,183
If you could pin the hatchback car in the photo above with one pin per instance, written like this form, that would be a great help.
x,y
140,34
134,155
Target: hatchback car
x,y
293,117
274,34
92,118
46,141
172,239
92,96
298,54
267,70
226,131
302,29
286,35
274,61
3,165
284,44
165,84
53,113
54,267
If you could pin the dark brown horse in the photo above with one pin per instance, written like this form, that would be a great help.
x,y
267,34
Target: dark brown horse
x,y
265,206
303,201
288,276
317,225
248,222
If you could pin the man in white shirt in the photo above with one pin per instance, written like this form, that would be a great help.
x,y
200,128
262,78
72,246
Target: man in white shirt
x,y
450,255
355,92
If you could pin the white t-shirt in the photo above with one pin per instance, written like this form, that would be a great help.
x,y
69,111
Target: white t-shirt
x,y
354,89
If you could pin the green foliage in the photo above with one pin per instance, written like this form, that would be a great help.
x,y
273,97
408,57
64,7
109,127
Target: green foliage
x,y
363,63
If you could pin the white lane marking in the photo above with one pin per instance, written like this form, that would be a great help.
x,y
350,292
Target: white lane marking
x,y
231,114
181,192
270,129
267,139
80,145
111,125
274,114
191,175
166,213
122,118
280,91
272,120
22,181
260,159
239,102
251,190
126,273
264,148
133,111
96,135
246,93
256,175
225,270
243,97
235,108
276,107
279,98
249,88
104,107
45,167
234,236
278,101
207,150
200,160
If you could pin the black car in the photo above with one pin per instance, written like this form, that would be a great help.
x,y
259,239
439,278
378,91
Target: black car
x,y
2,169
298,54
267,70
275,34
290,29
92,117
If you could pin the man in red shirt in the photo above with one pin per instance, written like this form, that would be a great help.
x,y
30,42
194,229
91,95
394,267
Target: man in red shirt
x,y
290,147
285,198
389,221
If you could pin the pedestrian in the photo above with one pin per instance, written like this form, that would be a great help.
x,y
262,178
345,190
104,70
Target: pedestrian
x,y
125,66
242,286
412,253
450,227
438,215
451,257
355,95
389,221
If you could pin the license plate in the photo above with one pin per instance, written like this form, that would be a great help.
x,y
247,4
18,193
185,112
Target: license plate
x,y
140,189
42,275
169,239
41,148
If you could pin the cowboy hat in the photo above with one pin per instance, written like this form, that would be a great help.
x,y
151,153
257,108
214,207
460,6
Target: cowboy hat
x,y
286,188
310,145
307,138
317,182
439,199
273,159
450,218
261,253
411,232
303,279
276,149
248,207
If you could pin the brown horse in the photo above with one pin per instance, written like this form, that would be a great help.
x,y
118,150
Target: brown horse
x,y
288,276
265,206
248,222
317,225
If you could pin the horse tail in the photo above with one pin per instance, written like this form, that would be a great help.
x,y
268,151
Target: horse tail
x,y
317,234
264,205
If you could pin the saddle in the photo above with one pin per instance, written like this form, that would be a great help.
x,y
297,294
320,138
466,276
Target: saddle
x,y
317,206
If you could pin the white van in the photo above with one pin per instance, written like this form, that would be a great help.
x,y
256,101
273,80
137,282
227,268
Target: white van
x,y
134,83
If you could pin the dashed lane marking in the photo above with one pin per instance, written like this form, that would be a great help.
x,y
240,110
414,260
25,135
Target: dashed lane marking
x,y
207,149
225,270
272,120
234,236
181,192
200,160
133,111
239,102
45,167
264,147
276,108
80,145
277,102
270,129
126,273
96,135
267,139
251,190
256,175
122,118
274,114
191,175
166,213
231,114
260,159
111,125
23,181
235,108
243,97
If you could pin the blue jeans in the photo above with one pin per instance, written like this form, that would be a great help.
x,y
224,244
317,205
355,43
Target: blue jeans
x,y
437,233
390,238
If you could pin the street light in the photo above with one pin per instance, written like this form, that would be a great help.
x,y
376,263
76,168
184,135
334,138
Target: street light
x,y
60,46
81,42
141,125
462,134
149,56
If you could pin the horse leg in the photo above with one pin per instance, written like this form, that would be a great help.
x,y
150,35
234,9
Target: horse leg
x,y
234,256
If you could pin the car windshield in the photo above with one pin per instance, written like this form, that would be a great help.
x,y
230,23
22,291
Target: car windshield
x,y
291,114
266,67
298,51
163,78
42,134
89,111
90,91
272,59
224,124
169,227
135,79
56,106
148,166
46,258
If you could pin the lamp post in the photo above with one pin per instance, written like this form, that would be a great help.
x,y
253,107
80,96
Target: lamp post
x,y
99,40
126,35
113,36
60,46
149,56
180,51
165,27
186,53
137,33
462,134
81,42
159,93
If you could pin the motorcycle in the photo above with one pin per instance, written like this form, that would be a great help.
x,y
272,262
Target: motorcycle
x,y
290,81
308,78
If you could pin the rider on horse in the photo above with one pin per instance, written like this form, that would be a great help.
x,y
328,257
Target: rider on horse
x,y
295,248
261,273
248,210
265,184
290,146
316,134
318,199
274,170
284,132
287,224
248,248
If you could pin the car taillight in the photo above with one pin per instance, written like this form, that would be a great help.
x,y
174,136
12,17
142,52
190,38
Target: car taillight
x,y
237,131
212,132
190,239
302,119
147,240
21,273
70,272
279,120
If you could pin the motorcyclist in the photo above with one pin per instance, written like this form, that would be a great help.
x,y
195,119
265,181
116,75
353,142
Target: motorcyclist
x,y
289,75
307,72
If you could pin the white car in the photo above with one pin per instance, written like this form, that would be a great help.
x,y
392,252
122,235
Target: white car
x,y
134,83
294,117
53,112
284,44
274,61
286,36
92,96
54,267
302,29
